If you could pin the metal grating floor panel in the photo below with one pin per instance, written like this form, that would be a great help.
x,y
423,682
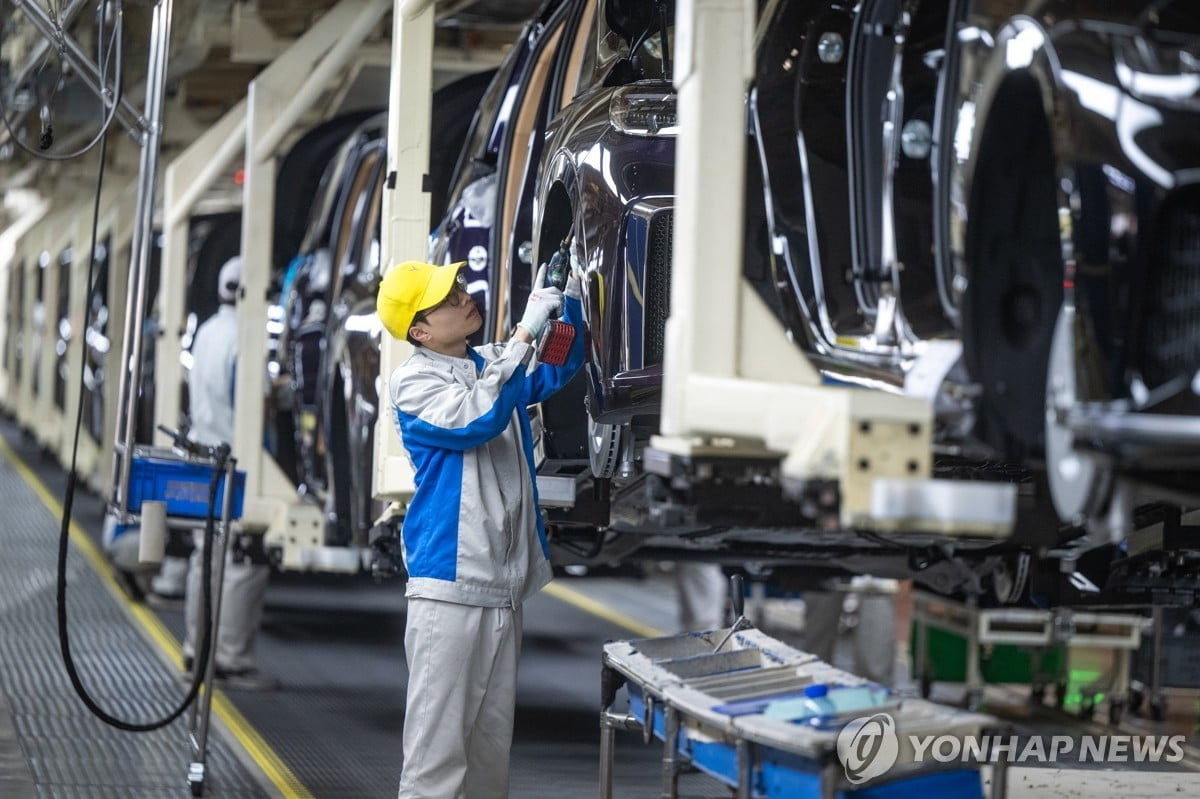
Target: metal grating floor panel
x,y
67,752
335,643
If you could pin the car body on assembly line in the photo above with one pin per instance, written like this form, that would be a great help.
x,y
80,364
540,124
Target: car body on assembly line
x,y
1014,190
328,347
1020,189
571,61
1023,186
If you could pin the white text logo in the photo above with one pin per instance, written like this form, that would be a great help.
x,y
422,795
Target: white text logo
x,y
869,746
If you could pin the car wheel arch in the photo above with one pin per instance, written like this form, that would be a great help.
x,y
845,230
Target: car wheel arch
x,y
560,216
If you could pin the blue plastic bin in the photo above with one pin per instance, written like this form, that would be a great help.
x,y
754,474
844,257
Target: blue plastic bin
x,y
183,485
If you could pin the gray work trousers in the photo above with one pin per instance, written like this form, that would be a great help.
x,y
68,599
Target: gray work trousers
x,y
245,588
873,640
703,595
462,694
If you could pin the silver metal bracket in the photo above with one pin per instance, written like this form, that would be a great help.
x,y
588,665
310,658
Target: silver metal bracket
x,y
54,32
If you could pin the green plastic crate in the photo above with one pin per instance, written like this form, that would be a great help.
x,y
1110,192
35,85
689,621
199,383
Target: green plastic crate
x,y
946,660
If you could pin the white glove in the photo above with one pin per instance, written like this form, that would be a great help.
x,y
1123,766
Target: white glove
x,y
572,288
544,303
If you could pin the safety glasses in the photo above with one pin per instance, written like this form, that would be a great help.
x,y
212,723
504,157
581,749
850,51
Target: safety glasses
x,y
458,295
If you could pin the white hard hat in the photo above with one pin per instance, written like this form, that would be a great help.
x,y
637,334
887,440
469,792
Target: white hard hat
x,y
229,279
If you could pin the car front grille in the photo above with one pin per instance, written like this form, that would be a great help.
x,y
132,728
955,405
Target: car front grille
x,y
1171,333
658,284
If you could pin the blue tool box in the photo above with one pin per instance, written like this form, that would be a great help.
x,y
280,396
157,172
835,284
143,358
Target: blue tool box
x,y
183,485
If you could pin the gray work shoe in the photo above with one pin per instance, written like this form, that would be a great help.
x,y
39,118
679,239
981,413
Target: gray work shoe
x,y
163,602
246,680
240,680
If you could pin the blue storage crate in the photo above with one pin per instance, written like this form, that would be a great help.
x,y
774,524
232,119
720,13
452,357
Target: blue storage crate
x,y
183,485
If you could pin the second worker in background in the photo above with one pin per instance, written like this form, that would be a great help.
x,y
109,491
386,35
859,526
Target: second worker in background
x,y
244,586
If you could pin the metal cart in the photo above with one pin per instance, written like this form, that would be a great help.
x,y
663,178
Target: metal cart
x,y
180,478
1056,642
710,705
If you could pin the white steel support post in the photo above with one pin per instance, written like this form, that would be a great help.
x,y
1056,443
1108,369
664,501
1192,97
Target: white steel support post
x,y
38,325
185,181
719,352
32,250
6,340
276,99
732,382
172,289
25,397
713,68
405,210
6,333
12,255
77,288
113,223
120,227
46,413
14,392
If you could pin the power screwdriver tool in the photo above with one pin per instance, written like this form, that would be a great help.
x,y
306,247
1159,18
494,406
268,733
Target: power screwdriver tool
x,y
556,341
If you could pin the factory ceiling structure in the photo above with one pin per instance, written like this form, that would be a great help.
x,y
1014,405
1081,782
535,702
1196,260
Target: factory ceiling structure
x,y
217,47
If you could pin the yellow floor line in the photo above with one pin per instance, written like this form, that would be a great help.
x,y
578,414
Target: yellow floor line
x,y
599,609
255,746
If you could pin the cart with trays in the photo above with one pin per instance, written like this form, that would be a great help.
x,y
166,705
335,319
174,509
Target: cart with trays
x,y
765,719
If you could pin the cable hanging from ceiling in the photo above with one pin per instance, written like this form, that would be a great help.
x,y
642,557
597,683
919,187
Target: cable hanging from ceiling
x,y
109,60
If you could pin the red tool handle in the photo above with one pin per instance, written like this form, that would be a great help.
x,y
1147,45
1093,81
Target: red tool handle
x,y
556,343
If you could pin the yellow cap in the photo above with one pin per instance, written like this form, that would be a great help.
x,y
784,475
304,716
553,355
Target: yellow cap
x,y
409,288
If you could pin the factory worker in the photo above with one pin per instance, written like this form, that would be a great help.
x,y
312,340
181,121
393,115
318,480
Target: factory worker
x,y
210,396
473,539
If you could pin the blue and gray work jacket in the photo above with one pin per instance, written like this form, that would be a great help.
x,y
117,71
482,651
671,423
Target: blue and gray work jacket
x,y
473,533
